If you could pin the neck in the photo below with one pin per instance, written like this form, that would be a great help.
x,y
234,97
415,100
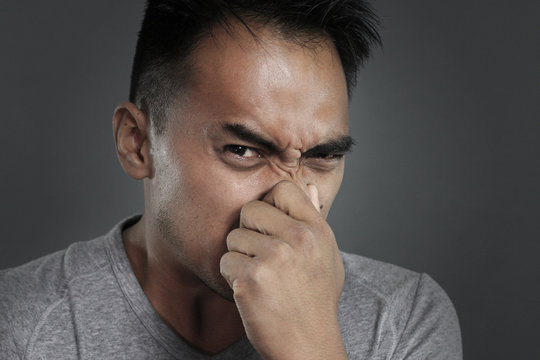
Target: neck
x,y
204,319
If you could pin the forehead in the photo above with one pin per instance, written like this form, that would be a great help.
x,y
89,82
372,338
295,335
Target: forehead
x,y
266,82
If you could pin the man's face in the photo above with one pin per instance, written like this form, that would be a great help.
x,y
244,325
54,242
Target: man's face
x,y
255,113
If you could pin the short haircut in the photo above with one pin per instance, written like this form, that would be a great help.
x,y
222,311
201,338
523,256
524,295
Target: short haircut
x,y
171,30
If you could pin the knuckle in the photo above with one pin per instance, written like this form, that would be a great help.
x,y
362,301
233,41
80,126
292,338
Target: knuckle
x,y
300,232
234,233
240,290
283,187
282,184
232,236
224,263
248,208
224,268
258,274
280,249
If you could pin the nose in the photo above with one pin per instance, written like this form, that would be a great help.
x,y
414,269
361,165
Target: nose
x,y
288,168
291,170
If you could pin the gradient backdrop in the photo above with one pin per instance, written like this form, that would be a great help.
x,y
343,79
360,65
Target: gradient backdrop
x,y
445,177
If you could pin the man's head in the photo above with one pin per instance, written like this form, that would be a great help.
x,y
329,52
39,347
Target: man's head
x,y
172,30
220,119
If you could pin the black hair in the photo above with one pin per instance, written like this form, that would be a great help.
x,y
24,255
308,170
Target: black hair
x,y
171,29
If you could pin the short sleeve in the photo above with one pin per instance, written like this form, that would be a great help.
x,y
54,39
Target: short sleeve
x,y
432,328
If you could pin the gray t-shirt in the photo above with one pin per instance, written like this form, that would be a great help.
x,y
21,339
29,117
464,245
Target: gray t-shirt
x,y
85,303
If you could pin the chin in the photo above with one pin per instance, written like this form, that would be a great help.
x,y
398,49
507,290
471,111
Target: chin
x,y
213,280
220,287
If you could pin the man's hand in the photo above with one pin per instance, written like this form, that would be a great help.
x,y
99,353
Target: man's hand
x,y
287,276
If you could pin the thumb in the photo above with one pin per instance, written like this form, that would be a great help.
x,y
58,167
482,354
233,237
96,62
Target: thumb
x,y
313,194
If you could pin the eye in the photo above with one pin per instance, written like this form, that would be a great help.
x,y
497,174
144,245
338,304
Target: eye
x,y
241,152
324,161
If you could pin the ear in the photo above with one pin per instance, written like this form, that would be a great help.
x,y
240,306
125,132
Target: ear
x,y
131,129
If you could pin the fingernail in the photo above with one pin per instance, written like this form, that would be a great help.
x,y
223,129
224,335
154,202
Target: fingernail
x,y
313,193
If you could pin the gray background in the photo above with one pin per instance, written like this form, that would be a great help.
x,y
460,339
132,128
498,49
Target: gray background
x,y
444,179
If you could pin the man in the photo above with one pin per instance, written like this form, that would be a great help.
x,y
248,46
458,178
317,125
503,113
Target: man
x,y
238,126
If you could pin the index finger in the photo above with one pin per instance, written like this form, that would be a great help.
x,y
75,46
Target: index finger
x,y
292,200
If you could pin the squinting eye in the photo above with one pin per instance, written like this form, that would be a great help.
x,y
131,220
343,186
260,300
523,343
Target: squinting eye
x,y
323,162
242,152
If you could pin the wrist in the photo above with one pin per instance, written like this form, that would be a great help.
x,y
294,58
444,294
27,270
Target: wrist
x,y
321,342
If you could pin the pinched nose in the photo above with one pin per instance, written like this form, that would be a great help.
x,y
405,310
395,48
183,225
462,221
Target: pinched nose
x,y
288,168
291,170
289,161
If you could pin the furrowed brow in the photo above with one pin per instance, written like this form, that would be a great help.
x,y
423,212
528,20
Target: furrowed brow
x,y
340,145
242,132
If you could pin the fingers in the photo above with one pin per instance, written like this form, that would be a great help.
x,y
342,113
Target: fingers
x,y
264,218
248,242
232,264
285,212
293,201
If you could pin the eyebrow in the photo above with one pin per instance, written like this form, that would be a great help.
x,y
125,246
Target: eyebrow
x,y
339,145
242,132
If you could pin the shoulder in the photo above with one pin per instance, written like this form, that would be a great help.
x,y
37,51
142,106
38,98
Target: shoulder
x,y
407,310
43,280
392,284
386,280
31,291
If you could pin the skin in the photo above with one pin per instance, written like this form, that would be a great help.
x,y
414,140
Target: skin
x,y
233,239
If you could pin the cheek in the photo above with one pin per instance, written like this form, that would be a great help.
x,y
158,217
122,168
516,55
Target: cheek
x,y
213,195
167,184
